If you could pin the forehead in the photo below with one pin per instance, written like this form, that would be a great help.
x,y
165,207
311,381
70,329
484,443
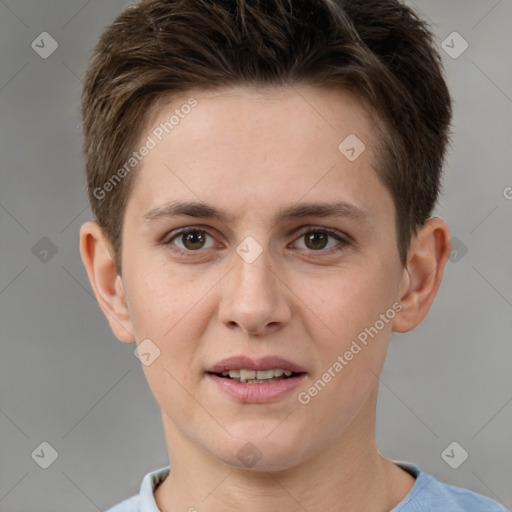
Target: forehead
x,y
258,146
270,118
250,108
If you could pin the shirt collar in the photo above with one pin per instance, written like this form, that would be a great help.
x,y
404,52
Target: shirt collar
x,y
152,480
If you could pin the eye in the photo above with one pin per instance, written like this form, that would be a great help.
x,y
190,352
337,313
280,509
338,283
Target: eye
x,y
192,239
317,239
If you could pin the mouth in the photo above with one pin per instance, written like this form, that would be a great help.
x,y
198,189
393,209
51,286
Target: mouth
x,y
256,380
257,376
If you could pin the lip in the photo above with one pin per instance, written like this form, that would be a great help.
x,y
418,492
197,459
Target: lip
x,y
242,362
257,393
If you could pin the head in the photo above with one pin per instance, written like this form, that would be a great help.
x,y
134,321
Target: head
x,y
250,110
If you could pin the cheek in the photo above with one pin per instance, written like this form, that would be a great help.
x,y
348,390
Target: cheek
x,y
352,349
168,309
163,301
352,356
348,301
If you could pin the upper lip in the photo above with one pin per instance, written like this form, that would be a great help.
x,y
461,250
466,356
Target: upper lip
x,y
242,362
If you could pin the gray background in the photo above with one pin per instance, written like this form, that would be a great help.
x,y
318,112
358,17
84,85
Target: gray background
x,y
66,380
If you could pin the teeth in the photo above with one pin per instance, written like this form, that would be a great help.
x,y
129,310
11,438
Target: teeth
x,y
265,374
246,375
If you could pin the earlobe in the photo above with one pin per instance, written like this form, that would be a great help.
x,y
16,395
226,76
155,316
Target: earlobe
x,y
107,285
426,260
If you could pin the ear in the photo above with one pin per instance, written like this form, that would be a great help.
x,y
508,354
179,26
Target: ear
x,y
426,260
96,252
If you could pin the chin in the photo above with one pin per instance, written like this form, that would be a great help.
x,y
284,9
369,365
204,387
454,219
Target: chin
x,y
259,453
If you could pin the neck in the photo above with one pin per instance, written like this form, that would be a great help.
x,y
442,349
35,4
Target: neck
x,y
345,474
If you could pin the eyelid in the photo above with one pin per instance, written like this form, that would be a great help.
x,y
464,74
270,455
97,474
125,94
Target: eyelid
x,y
169,237
345,237
344,240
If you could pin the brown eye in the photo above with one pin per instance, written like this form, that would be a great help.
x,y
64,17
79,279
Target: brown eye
x,y
192,240
316,240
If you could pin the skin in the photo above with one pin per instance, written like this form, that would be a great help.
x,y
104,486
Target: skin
x,y
253,152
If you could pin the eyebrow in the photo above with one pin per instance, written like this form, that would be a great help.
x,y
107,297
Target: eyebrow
x,y
202,210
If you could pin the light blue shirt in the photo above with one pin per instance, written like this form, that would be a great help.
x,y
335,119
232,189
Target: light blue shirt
x,y
427,495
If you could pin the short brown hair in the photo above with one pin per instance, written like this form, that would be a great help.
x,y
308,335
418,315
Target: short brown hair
x,y
378,49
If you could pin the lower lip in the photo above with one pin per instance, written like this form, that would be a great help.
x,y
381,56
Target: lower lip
x,y
257,393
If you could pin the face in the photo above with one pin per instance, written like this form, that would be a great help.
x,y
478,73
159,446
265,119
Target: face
x,y
295,257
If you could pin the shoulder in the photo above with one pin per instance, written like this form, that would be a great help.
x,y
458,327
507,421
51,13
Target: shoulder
x,y
458,498
435,496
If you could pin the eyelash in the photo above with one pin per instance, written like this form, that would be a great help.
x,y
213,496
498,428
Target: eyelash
x,y
344,242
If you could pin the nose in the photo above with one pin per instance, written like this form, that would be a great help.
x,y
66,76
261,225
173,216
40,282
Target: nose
x,y
254,298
